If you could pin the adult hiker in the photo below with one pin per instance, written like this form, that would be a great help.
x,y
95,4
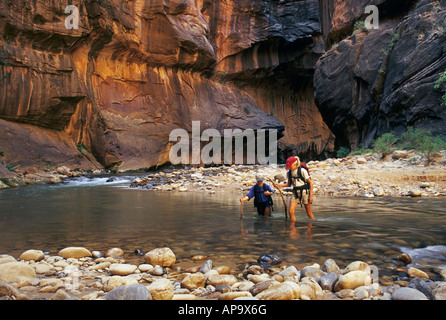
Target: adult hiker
x,y
299,179
261,192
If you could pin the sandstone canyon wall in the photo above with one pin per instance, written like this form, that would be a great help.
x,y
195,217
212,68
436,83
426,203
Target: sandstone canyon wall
x,y
109,93
370,82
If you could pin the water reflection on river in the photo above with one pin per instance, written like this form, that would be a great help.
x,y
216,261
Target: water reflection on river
x,y
100,215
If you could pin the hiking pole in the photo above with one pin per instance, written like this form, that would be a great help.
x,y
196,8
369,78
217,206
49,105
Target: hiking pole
x,y
283,198
241,209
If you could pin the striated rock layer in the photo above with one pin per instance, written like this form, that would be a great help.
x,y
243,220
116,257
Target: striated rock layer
x,y
108,93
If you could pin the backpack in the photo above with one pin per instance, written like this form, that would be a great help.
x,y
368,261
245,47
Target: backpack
x,y
300,176
304,165
256,191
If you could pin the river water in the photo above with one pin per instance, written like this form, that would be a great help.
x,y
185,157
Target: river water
x,y
99,215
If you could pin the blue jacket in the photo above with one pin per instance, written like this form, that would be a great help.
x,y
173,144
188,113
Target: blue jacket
x,y
260,196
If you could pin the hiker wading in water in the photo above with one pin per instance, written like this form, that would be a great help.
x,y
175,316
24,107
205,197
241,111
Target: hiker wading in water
x,y
299,179
261,192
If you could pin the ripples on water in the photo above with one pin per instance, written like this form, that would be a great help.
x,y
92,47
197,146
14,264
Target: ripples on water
x,y
100,214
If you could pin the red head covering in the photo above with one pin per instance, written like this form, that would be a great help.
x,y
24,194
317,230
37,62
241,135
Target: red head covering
x,y
290,162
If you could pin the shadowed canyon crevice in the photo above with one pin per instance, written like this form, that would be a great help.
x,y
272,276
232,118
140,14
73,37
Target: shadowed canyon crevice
x,y
109,93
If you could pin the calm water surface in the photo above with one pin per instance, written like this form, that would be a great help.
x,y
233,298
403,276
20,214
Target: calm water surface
x,y
100,215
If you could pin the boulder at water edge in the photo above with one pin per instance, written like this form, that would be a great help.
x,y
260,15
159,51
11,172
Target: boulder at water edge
x,y
74,252
163,257
35,255
16,272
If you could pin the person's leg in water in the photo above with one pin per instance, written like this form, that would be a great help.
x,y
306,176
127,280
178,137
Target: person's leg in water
x,y
307,201
309,211
309,227
293,206
307,206
267,211
263,209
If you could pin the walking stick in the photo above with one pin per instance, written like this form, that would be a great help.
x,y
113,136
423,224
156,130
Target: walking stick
x,y
241,209
283,198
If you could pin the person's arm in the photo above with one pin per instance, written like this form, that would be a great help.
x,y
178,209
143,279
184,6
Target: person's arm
x,y
270,191
244,199
248,196
284,185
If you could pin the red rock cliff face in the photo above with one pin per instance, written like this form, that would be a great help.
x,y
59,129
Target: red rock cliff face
x,y
116,87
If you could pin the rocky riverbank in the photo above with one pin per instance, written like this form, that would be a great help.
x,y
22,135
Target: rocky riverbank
x,y
30,176
404,173
77,273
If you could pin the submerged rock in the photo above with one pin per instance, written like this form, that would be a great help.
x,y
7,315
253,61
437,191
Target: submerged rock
x,y
405,258
417,273
268,259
